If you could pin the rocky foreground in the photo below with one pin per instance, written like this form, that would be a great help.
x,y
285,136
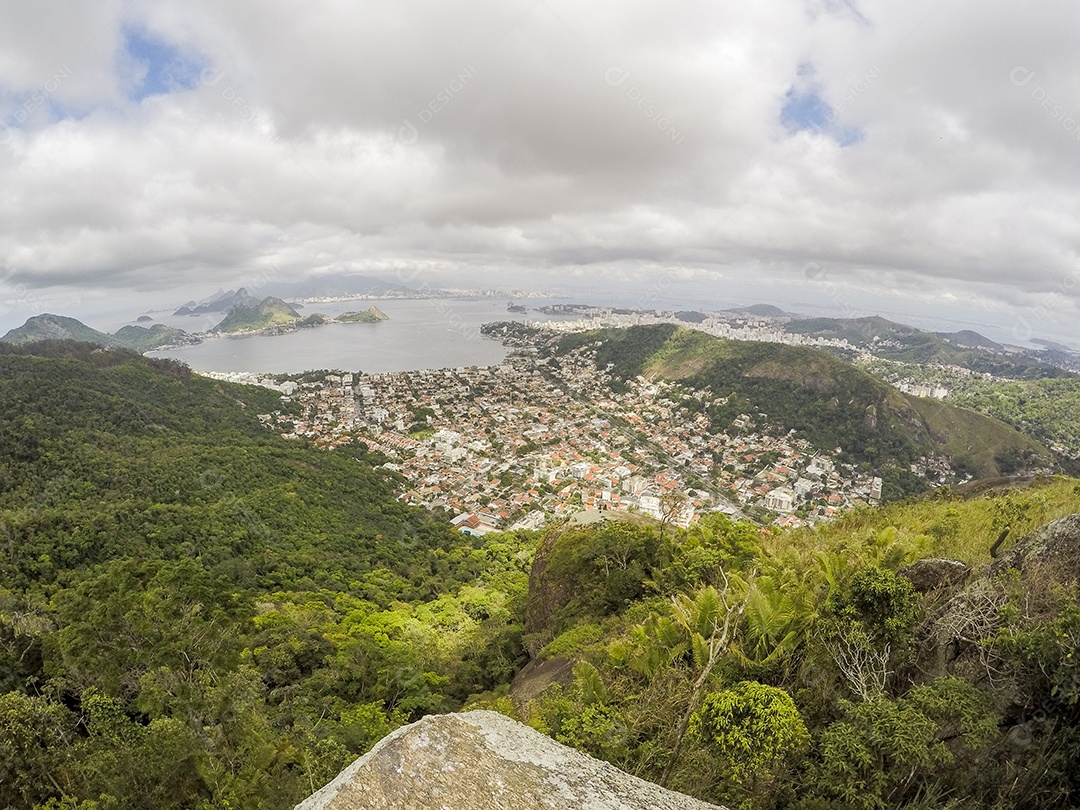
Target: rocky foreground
x,y
482,760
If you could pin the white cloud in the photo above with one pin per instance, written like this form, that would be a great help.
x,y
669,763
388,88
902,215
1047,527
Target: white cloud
x,y
543,137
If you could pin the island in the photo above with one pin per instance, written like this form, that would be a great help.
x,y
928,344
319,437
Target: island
x,y
269,313
273,316
370,315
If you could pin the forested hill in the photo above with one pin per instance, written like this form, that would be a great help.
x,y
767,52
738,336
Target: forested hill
x,y
966,348
49,327
830,402
197,613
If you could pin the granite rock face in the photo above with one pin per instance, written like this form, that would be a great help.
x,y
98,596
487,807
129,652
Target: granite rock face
x,y
952,640
1055,547
935,573
482,760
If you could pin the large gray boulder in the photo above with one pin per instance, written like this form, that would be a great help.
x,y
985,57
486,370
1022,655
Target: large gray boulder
x,y
953,640
483,760
1055,548
935,573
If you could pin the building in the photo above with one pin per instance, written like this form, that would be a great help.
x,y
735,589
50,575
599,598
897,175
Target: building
x,y
780,500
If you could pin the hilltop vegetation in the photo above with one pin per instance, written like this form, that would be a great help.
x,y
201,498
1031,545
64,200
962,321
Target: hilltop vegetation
x,y
895,341
278,610
196,613
825,399
815,669
57,327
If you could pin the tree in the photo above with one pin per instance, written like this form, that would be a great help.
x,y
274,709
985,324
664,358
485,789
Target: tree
x,y
710,621
757,730
779,614
884,751
672,504
36,739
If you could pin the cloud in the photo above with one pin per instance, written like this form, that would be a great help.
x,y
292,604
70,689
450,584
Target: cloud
x,y
924,148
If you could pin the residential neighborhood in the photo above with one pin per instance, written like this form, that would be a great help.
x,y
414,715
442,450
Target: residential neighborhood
x,y
523,442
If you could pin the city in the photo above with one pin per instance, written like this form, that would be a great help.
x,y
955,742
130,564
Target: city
x,y
521,443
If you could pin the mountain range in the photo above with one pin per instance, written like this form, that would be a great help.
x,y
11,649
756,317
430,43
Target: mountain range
x,y
221,301
967,349
339,285
59,327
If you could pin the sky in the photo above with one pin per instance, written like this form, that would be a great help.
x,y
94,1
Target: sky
x,y
919,157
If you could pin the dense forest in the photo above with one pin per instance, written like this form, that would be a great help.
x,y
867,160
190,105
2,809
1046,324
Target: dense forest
x,y
195,613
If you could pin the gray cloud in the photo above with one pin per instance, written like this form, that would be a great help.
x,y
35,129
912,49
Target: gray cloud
x,y
549,141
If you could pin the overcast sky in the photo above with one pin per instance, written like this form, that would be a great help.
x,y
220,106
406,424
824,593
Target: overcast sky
x,y
920,156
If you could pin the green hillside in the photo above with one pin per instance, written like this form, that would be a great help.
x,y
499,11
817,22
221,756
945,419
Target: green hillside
x,y
58,327
1047,409
267,313
825,399
815,668
195,612
142,338
370,315
897,341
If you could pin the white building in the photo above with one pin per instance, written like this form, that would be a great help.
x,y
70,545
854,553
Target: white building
x,y
780,500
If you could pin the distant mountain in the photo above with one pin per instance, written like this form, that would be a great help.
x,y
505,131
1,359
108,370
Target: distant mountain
x,y
972,340
221,301
370,315
856,331
143,338
761,310
1054,346
59,327
266,313
337,285
897,341
824,399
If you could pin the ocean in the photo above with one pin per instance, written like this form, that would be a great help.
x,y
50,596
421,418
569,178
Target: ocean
x,y
421,333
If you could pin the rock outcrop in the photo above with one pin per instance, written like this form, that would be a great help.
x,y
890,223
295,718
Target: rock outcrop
x,y
935,573
482,760
952,641
1054,547
537,676
546,594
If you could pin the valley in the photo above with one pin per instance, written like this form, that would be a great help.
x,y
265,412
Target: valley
x,y
624,538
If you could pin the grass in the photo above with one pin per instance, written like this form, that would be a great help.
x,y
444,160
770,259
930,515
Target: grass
x,y
981,439
941,524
